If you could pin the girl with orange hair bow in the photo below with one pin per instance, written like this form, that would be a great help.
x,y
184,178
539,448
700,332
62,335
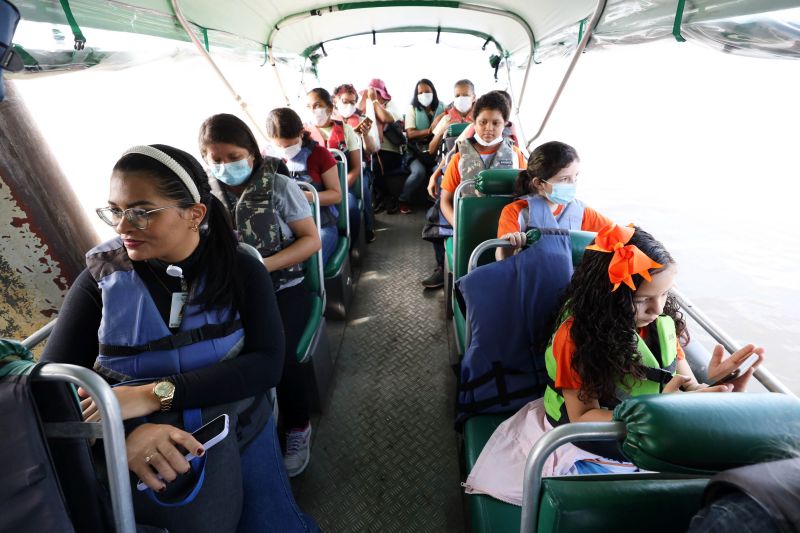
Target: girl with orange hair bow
x,y
618,335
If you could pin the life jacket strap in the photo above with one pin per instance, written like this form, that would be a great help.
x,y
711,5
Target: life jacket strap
x,y
534,391
173,342
657,375
497,376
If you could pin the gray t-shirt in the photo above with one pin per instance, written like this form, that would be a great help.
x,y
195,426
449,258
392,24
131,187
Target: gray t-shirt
x,y
290,205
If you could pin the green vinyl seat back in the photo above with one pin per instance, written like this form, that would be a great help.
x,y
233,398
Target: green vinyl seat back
x,y
454,130
725,430
578,239
316,286
334,264
496,181
682,438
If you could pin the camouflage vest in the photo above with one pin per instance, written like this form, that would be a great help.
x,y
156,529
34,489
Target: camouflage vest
x,y
256,220
471,162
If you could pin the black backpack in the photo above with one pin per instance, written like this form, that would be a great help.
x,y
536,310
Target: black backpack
x,y
394,133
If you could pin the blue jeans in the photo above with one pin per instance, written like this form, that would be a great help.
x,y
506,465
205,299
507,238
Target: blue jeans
x,y
268,503
329,236
418,175
733,512
355,216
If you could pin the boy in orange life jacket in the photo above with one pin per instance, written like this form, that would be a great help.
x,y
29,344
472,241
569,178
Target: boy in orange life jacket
x,y
547,198
486,149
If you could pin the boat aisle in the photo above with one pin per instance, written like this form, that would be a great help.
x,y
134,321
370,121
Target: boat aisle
x,y
384,456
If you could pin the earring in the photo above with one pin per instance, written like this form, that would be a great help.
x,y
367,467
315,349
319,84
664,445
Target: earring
x,y
194,228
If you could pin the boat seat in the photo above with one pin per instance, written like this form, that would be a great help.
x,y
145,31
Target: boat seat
x,y
338,273
725,430
453,131
313,347
476,221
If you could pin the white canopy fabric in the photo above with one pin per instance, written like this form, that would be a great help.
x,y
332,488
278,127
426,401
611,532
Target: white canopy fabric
x,y
298,27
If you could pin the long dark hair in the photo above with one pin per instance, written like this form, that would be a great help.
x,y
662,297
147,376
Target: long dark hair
x,y
545,162
218,255
415,99
604,325
285,123
229,129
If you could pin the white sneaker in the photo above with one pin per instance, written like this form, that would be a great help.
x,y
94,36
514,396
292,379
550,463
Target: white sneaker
x,y
298,450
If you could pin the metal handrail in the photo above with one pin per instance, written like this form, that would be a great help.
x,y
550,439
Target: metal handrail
x,y
485,246
204,53
345,193
456,197
113,436
764,376
546,445
598,11
39,335
317,220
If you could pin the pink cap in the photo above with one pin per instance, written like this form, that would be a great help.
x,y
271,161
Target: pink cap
x,y
380,88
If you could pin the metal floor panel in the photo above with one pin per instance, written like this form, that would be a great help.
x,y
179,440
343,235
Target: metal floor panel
x,y
384,456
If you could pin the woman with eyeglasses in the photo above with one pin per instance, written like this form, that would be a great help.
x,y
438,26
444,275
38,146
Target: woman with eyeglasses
x,y
186,327
547,198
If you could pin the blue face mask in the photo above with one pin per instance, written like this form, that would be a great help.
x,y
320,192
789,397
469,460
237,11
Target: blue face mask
x,y
234,173
563,193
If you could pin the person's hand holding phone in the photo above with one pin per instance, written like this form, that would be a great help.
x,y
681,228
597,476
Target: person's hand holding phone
x,y
720,370
363,127
153,451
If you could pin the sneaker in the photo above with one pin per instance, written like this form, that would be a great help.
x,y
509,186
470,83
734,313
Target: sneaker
x,y
435,280
392,207
298,450
378,207
369,235
405,208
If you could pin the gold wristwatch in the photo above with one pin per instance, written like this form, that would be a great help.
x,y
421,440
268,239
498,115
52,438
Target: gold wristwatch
x,y
164,392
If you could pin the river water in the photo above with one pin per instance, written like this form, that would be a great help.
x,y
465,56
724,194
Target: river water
x,y
697,147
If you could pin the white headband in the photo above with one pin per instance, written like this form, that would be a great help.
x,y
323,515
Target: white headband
x,y
173,165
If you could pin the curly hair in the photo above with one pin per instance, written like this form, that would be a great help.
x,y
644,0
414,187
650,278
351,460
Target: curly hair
x,y
604,325
492,101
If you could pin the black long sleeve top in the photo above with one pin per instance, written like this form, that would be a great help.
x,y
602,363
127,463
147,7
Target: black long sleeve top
x,y
257,368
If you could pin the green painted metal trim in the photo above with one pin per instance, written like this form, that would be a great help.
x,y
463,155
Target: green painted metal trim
x,y
581,30
80,40
676,26
408,29
204,31
27,59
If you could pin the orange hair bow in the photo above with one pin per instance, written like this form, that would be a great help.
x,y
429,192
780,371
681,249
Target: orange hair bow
x,y
628,260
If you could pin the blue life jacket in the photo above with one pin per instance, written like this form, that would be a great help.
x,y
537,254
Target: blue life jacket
x,y
298,169
538,215
135,343
509,305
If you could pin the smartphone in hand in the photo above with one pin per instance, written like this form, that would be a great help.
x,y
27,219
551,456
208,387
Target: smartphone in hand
x,y
364,126
744,367
208,435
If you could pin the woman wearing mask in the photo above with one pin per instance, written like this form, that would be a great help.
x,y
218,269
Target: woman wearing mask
x,y
134,316
345,98
425,108
270,213
547,190
340,136
458,112
309,162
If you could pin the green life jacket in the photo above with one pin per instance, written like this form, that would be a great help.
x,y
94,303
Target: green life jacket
x,y
423,120
657,373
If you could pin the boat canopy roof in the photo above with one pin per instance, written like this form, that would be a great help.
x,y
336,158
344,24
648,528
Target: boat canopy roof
x,y
520,30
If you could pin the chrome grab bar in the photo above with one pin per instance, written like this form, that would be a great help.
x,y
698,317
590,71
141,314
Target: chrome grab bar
x,y
39,335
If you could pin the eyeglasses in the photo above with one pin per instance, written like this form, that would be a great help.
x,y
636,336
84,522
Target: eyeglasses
x,y
139,218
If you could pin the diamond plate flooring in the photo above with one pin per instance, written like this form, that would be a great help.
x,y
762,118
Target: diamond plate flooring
x,y
384,456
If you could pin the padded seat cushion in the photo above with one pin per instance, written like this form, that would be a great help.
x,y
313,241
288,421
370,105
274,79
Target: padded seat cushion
x,y
336,260
645,502
454,130
714,432
496,181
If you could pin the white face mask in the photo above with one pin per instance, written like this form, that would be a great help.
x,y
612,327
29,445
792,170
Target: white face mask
x,y
425,99
346,110
462,103
493,142
290,151
319,116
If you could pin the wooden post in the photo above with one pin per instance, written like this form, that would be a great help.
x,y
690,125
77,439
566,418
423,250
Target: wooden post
x,y
44,232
